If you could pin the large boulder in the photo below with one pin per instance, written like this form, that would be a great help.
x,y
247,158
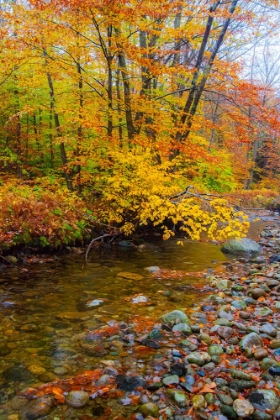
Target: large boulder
x,y
241,246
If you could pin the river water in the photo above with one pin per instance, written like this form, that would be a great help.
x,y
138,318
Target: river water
x,y
42,308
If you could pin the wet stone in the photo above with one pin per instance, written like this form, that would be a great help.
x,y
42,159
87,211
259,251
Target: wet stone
x,y
209,398
223,322
149,409
205,338
275,344
241,384
198,401
130,276
60,371
257,293
264,399
267,362
130,383
198,358
182,328
225,399
268,329
175,317
260,353
72,316
38,408
243,408
250,340
77,399
225,332
179,397
17,374
170,380
238,374
244,315
228,412
264,312
262,415
177,369
4,350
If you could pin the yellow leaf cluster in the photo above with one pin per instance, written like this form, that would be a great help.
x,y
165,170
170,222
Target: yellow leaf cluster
x,y
139,193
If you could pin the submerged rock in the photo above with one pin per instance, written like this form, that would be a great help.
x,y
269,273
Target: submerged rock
x,y
77,399
130,383
38,408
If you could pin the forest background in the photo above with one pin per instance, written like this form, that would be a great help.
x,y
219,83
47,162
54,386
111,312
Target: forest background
x,y
120,114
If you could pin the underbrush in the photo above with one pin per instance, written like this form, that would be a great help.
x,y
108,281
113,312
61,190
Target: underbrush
x,y
253,199
41,214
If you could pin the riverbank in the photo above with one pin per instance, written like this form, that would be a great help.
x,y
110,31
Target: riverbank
x,y
219,361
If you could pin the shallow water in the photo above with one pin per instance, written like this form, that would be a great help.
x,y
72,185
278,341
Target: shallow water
x,y
43,309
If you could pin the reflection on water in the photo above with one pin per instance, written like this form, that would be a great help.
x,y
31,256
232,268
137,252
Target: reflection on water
x,y
44,310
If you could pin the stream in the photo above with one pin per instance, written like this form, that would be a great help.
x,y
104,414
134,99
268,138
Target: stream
x,y
46,307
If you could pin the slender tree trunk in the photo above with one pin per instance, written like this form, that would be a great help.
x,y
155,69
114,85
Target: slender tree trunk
x,y
126,91
119,107
198,84
59,133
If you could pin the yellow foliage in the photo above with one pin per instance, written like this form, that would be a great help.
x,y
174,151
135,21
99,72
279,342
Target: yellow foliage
x,y
139,193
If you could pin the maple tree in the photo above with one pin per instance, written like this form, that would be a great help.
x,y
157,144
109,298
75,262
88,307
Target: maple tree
x,y
127,104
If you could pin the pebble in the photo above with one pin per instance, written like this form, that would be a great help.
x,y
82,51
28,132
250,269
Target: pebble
x,y
243,408
77,399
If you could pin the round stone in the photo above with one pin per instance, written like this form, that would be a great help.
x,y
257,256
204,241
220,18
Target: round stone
x,y
243,408
198,401
77,399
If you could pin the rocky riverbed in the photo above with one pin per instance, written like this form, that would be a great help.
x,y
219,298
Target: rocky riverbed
x,y
220,361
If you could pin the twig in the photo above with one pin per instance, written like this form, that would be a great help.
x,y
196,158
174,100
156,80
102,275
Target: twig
x,y
10,262
97,239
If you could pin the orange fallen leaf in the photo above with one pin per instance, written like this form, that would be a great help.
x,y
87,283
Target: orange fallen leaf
x,y
207,388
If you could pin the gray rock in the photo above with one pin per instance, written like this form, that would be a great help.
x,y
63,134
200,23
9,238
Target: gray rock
x,y
250,340
268,329
264,312
257,292
264,399
77,398
225,332
225,314
205,338
182,328
240,246
39,407
239,304
239,374
175,317
223,321
198,358
225,399
152,268
260,353
179,397
262,415
215,350
243,408
170,380
267,362
241,384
